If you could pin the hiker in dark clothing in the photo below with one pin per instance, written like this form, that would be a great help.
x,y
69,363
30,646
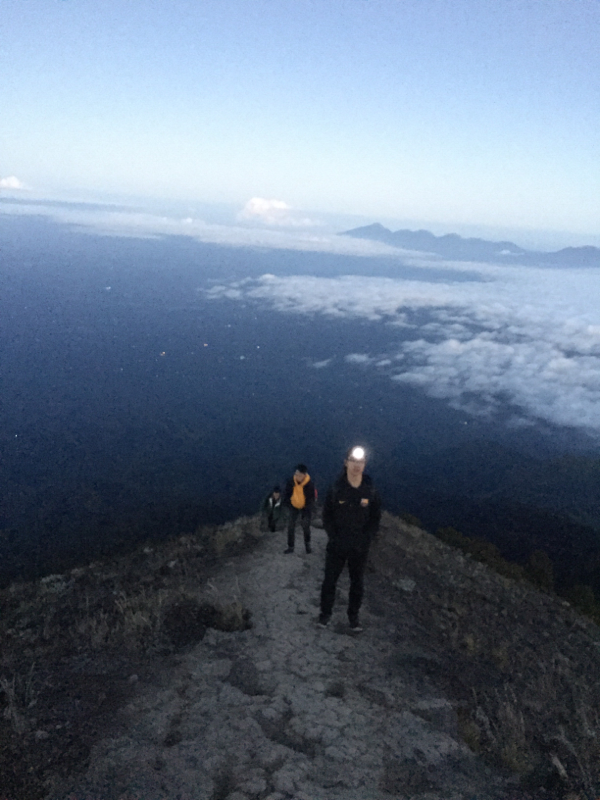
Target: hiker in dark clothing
x,y
272,509
351,516
300,500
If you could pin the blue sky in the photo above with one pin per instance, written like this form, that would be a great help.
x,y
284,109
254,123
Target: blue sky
x,y
447,114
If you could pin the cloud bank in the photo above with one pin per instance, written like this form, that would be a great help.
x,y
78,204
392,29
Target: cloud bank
x,y
12,182
274,213
523,341
144,225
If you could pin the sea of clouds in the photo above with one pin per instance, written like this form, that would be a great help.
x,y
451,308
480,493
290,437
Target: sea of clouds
x,y
524,339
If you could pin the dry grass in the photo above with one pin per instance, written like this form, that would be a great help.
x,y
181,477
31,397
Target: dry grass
x,y
523,665
70,643
12,711
134,621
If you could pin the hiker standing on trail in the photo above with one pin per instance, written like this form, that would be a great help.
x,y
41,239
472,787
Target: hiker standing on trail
x,y
300,500
272,509
351,516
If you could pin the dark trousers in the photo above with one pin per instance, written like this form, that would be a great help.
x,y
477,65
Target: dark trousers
x,y
335,561
304,514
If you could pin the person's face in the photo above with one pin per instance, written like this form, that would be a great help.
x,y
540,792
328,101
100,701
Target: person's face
x,y
299,476
354,468
276,495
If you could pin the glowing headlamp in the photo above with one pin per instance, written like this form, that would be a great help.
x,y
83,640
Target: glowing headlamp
x,y
357,453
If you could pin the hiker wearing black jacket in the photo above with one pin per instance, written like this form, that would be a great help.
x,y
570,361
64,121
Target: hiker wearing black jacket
x,y
272,510
351,516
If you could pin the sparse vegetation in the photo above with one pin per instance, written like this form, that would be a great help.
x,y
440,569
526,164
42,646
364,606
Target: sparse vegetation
x,y
410,519
583,598
482,551
538,571
113,616
521,663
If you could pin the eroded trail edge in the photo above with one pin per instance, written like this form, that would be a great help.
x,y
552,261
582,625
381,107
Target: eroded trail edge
x,y
288,710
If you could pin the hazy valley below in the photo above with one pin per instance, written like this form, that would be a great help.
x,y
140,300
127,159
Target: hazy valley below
x,y
152,385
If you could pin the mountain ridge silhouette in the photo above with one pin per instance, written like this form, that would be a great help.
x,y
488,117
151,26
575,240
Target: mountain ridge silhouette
x,y
456,247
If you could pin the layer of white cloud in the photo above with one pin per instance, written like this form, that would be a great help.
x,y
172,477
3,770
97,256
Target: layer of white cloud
x,y
358,358
521,337
11,182
146,225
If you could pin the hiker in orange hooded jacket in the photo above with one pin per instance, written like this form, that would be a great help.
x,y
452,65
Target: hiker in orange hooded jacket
x,y
299,498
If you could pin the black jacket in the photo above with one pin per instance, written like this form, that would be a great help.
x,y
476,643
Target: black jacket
x,y
309,494
351,516
272,507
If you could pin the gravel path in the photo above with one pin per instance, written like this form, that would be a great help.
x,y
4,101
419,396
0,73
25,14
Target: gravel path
x,y
289,711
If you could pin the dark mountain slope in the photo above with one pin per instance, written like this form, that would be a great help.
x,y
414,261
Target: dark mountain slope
x,y
114,675
517,502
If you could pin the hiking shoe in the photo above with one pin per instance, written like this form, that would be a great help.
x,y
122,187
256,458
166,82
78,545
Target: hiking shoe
x,y
323,621
289,550
355,626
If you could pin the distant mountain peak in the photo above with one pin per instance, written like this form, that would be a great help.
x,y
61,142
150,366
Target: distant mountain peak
x,y
458,248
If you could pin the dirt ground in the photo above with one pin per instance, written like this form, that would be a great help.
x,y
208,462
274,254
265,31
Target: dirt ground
x,y
465,683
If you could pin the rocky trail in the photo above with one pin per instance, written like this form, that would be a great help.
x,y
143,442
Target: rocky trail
x,y
288,711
